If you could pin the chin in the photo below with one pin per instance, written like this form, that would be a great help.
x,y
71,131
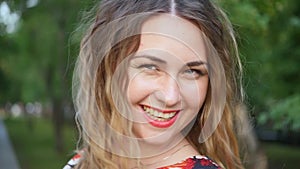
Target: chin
x,y
157,137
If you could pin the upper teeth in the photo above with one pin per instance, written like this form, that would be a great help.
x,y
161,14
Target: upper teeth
x,y
156,113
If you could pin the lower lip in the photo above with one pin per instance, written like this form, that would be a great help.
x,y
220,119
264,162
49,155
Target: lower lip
x,y
161,124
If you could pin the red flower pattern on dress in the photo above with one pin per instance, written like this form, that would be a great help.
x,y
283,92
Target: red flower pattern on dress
x,y
195,162
77,156
206,162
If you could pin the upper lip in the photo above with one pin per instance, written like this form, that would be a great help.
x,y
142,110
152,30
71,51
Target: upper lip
x,y
163,111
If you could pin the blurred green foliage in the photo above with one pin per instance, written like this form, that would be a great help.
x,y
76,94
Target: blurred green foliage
x,y
269,39
285,113
36,62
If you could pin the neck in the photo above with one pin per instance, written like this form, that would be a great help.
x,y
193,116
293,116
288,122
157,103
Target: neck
x,y
172,155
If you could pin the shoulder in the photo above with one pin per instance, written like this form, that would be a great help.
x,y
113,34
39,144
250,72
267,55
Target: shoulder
x,y
73,162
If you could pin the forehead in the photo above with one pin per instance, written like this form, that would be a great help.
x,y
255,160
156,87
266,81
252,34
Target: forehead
x,y
174,35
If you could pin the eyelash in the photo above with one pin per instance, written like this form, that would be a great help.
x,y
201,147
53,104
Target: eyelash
x,y
199,72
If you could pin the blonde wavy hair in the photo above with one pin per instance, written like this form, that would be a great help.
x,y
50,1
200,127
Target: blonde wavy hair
x,y
112,36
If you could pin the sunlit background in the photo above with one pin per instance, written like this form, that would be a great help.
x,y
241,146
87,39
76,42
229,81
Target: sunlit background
x,y
39,42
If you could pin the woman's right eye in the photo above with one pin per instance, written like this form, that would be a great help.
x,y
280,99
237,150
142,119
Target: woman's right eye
x,y
151,67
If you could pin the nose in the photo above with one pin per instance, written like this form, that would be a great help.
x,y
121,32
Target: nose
x,y
169,92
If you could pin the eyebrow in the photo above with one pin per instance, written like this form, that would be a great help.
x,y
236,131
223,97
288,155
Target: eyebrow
x,y
195,63
153,58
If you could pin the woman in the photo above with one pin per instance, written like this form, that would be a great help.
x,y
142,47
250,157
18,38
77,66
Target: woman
x,y
156,87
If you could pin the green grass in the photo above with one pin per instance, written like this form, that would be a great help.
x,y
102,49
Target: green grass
x,y
35,147
281,156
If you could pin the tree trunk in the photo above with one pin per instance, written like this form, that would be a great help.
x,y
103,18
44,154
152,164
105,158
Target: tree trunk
x,y
58,124
59,101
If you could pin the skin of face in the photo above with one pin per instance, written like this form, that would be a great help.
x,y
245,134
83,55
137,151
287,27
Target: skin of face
x,y
168,74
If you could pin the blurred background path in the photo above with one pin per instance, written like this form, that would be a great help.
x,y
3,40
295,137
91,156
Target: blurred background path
x,y
8,159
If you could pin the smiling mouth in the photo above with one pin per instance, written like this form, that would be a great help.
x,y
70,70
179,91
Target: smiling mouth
x,y
159,115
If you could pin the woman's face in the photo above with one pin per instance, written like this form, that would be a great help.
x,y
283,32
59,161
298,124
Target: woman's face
x,y
168,78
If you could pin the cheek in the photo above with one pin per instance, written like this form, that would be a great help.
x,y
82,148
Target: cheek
x,y
138,89
195,93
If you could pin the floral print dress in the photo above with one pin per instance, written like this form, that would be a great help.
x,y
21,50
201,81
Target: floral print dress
x,y
195,162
